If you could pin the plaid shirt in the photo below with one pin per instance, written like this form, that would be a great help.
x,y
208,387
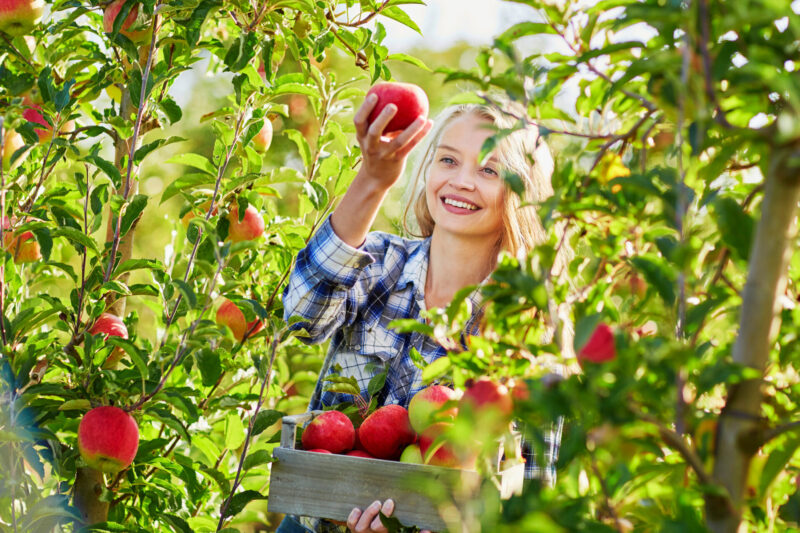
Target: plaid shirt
x,y
352,294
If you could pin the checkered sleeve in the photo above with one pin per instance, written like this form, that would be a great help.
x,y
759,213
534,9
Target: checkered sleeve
x,y
328,284
540,450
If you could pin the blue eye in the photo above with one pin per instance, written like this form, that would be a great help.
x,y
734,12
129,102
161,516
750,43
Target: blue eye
x,y
491,171
447,160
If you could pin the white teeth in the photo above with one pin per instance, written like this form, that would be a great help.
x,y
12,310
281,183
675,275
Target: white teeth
x,y
462,205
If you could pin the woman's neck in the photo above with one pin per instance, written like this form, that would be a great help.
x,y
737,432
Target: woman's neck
x,y
456,262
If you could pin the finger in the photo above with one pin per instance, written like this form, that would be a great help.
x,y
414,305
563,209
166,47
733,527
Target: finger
x,y
410,145
352,518
407,134
367,517
361,116
387,508
379,124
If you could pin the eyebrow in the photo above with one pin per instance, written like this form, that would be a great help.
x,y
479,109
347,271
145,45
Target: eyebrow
x,y
453,149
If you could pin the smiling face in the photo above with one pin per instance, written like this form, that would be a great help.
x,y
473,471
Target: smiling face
x,y
464,195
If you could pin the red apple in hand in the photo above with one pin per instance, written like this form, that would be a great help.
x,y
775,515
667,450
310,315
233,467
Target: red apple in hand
x,y
386,432
411,102
17,17
331,431
110,16
426,404
108,438
110,325
230,315
600,347
250,227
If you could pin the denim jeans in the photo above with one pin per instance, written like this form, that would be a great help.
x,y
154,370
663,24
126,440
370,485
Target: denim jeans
x,y
290,525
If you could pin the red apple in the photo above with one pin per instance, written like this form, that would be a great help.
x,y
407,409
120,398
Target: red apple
x,y
110,16
33,114
442,453
359,453
485,394
427,403
386,432
600,347
249,228
230,315
331,431
17,17
263,138
108,438
411,102
319,450
110,325
23,248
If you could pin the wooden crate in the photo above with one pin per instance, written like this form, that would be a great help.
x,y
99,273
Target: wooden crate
x,y
330,486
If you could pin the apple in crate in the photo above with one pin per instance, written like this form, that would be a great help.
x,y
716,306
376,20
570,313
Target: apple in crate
x,y
426,406
331,431
386,432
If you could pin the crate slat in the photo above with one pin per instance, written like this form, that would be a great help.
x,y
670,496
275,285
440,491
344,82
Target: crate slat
x,y
330,486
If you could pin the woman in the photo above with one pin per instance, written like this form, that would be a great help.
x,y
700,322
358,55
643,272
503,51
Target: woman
x,y
350,284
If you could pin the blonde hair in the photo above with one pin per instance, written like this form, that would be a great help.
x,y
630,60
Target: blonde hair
x,y
523,152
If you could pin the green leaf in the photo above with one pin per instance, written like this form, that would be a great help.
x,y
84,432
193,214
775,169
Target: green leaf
x,y
735,225
107,167
776,462
265,419
241,51
659,275
257,458
77,237
234,431
194,160
408,59
187,181
526,28
132,212
194,24
401,16
316,193
302,146
177,523
208,362
296,88
377,382
239,501
436,369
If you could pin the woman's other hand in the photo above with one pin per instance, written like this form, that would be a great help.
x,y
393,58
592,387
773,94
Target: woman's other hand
x,y
369,520
383,158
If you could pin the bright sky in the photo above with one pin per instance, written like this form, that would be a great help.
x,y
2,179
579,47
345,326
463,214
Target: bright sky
x,y
444,22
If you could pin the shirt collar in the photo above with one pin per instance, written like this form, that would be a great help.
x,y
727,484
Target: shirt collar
x,y
415,270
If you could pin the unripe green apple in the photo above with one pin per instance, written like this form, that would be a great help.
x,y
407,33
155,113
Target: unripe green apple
x,y
18,17
108,438
110,16
411,454
263,138
250,227
12,142
230,315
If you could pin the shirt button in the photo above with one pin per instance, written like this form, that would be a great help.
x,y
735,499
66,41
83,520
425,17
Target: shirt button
x,y
357,346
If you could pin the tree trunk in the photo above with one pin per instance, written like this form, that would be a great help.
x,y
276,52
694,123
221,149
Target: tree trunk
x,y
89,482
740,428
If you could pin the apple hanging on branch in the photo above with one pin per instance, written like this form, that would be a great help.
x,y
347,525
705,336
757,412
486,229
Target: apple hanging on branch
x,y
230,315
250,227
109,325
110,15
23,248
108,438
18,17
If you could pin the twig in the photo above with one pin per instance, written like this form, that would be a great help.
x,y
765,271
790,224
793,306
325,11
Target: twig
x,y
2,240
267,379
606,494
778,431
705,31
359,22
132,151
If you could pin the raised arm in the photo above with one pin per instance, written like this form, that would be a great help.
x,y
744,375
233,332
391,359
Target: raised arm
x,y
382,163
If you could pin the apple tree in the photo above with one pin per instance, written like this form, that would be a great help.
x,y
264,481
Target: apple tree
x,y
675,125
163,300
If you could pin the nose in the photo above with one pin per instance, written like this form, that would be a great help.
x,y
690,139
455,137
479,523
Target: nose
x,y
463,179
